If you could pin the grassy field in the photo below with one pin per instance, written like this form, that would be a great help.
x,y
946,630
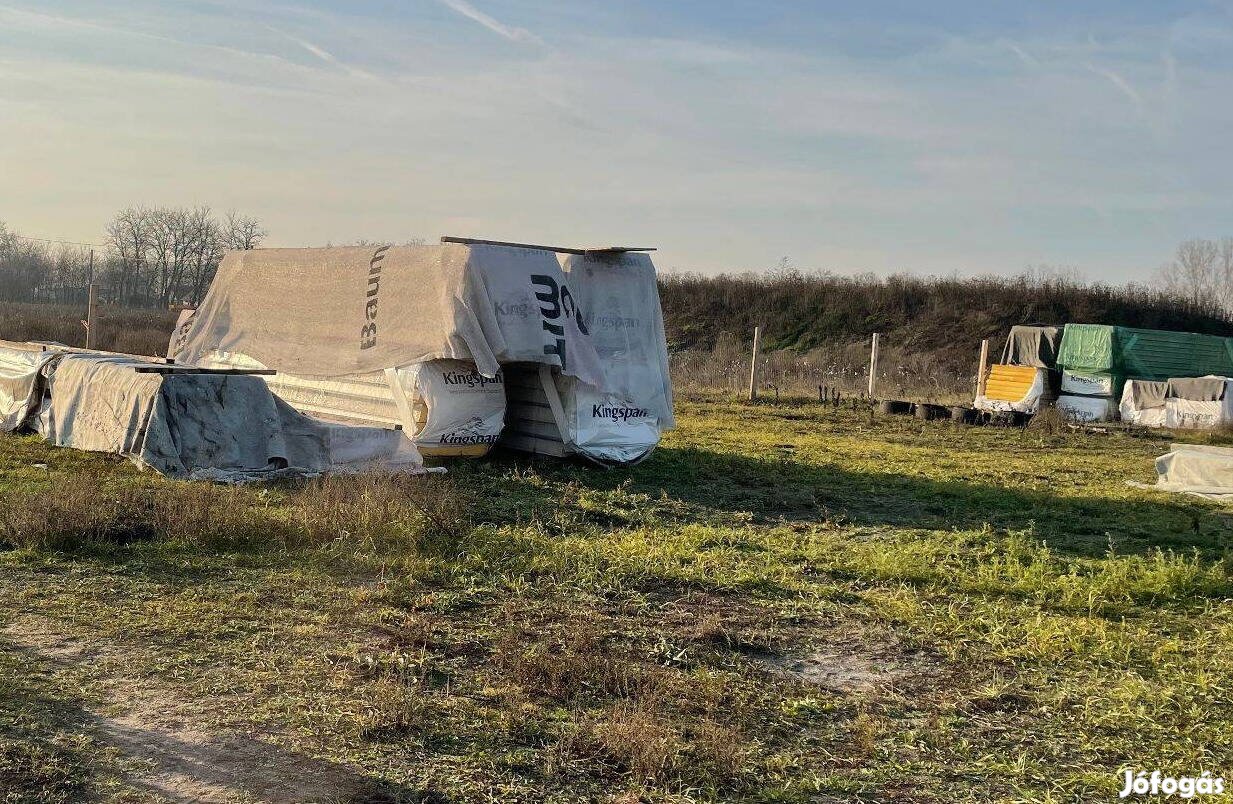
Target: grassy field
x,y
785,603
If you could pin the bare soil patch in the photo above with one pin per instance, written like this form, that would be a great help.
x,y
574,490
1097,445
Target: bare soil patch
x,y
171,755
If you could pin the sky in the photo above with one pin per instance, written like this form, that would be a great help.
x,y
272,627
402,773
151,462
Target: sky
x,y
946,137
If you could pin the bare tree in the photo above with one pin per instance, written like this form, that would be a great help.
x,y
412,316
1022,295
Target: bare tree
x,y
167,255
1202,272
242,232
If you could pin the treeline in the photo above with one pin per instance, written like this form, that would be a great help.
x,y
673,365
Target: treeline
x,y
942,317
151,257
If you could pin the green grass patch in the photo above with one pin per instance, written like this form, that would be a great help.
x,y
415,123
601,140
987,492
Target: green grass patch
x,y
786,602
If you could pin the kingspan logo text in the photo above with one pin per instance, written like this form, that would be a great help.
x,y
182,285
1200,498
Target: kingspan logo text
x,y
520,310
618,414
471,379
468,438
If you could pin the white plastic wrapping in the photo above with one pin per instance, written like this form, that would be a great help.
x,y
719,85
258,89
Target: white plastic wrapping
x,y
1186,414
310,314
20,385
1138,403
453,408
1087,384
1087,409
209,426
1196,469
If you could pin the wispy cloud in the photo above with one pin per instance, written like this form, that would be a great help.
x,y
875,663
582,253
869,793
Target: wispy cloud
x,y
1023,55
323,54
1118,81
499,28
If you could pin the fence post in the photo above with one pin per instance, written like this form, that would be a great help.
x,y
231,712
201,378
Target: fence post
x,y
983,373
92,317
753,365
873,365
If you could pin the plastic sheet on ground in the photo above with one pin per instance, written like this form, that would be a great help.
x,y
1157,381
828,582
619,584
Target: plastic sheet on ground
x,y
1196,469
210,426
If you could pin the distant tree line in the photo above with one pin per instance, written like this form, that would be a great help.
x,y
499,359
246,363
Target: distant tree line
x,y
151,257
944,317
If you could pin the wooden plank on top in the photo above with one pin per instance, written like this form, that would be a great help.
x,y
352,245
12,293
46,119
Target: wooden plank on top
x,y
589,251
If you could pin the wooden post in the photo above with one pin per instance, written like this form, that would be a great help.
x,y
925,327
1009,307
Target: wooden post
x,y
873,365
983,373
753,365
92,317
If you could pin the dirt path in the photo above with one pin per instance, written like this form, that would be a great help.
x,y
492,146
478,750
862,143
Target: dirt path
x,y
171,755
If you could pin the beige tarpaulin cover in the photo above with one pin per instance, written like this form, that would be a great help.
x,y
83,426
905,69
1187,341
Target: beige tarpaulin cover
x,y
342,311
209,426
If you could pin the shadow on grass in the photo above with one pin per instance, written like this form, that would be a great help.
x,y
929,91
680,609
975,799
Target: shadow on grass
x,y
725,485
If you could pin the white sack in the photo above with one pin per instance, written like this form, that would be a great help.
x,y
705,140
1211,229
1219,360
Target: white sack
x,y
464,407
21,385
1086,384
1185,414
1086,408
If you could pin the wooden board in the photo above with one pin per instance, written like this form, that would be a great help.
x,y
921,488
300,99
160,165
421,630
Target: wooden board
x,y
169,369
597,250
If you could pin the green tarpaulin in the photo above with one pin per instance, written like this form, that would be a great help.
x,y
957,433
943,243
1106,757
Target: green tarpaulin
x,y
1148,354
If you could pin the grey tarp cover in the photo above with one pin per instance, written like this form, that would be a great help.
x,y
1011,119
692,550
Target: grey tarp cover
x,y
21,385
1197,389
1032,346
1146,393
203,425
1196,469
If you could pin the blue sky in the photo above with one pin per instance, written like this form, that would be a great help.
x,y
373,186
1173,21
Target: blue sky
x,y
881,136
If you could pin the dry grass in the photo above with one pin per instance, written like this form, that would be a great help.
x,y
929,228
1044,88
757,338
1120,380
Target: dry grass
x,y
367,511
839,368
121,329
